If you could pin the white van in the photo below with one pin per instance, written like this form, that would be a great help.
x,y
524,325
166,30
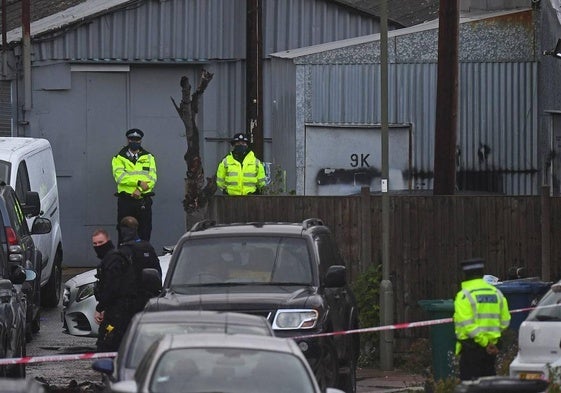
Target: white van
x,y
27,164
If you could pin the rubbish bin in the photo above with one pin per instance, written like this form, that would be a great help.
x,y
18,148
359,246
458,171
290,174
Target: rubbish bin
x,y
442,336
519,294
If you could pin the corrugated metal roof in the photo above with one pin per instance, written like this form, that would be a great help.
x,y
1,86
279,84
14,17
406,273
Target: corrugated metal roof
x,y
404,12
310,50
75,14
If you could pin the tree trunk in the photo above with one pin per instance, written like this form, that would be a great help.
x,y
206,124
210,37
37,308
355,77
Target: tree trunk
x,y
198,191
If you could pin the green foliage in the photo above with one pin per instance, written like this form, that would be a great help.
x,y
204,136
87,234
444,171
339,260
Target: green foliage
x,y
447,385
277,186
508,351
554,379
367,292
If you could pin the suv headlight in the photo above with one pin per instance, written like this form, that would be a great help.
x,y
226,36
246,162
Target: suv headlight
x,y
84,292
295,319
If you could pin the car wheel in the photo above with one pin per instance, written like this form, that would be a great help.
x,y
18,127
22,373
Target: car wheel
x,y
5,344
18,370
327,371
51,292
36,323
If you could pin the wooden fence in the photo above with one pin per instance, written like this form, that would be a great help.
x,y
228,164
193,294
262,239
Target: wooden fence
x,y
429,235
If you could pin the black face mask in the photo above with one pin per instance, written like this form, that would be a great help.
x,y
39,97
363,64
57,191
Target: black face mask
x,y
240,150
101,251
134,146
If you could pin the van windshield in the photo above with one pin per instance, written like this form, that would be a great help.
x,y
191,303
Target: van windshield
x,y
5,168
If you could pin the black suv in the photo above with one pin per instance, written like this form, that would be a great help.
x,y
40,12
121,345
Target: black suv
x,y
290,273
19,247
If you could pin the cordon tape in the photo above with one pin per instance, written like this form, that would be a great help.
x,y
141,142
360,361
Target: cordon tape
x,y
98,355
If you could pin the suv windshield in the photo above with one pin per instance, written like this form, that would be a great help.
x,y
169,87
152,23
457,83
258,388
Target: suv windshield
x,y
243,260
549,308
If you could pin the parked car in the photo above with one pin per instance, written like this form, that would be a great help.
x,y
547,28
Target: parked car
x,y
27,164
20,248
78,302
147,327
222,363
12,320
290,273
539,339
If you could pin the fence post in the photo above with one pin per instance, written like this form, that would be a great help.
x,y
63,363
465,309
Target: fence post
x,y
546,233
365,230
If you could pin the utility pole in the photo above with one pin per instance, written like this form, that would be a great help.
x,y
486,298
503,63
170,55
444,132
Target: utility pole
x,y
254,76
446,99
386,291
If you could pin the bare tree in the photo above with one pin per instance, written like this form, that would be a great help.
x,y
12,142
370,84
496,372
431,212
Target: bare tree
x,y
198,191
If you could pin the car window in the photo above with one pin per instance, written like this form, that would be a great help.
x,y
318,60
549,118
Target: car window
x,y
17,218
326,251
228,260
549,308
5,168
148,333
22,181
229,370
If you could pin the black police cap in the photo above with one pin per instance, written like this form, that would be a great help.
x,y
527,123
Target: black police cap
x,y
134,133
239,137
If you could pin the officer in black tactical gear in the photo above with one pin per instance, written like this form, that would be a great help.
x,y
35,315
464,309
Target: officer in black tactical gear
x,y
113,293
142,254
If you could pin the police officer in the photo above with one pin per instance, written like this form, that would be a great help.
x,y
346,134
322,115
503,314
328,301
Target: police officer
x,y
114,292
142,254
134,171
240,172
480,316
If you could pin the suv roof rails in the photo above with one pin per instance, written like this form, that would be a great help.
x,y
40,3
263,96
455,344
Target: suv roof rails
x,y
312,222
202,225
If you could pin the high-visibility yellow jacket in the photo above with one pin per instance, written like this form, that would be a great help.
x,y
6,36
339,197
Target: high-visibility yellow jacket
x,y
480,313
128,174
240,178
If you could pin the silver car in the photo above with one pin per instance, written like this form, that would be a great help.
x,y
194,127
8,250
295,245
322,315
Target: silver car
x,y
222,363
147,327
79,302
539,340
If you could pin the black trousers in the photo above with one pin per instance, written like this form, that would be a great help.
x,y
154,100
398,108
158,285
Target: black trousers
x,y
112,329
141,209
475,362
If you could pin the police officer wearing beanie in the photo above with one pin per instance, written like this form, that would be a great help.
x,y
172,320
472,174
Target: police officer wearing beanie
x,y
240,172
134,171
480,316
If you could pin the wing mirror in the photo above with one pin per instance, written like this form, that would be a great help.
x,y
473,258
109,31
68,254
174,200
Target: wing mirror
x,y
41,225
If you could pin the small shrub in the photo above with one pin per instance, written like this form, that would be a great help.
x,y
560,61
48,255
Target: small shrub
x,y
367,292
554,379
508,351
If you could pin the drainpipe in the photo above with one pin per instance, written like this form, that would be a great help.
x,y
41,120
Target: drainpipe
x,y
26,43
4,41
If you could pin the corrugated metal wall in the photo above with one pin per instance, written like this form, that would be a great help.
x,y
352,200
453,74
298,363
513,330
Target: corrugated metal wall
x,y
290,24
154,31
188,30
161,40
497,113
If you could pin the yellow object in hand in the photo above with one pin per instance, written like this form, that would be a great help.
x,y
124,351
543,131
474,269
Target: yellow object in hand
x,y
109,328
